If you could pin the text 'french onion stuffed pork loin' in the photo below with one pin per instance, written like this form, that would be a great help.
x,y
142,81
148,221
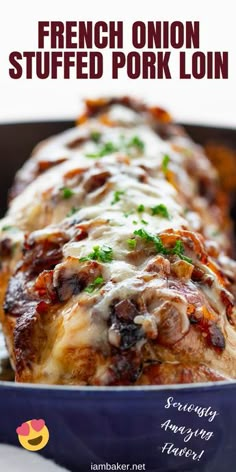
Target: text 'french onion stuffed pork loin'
x,y
115,265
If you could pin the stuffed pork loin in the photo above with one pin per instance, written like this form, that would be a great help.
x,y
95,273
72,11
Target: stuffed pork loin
x,y
115,265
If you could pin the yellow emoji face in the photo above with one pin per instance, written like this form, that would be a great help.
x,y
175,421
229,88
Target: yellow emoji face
x,y
33,435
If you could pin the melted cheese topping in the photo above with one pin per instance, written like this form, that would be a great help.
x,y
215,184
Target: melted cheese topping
x,y
137,182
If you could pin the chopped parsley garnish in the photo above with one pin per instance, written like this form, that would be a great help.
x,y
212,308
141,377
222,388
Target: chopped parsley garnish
x,y
165,162
144,222
101,254
67,192
110,147
117,195
135,141
149,237
140,208
95,136
94,285
7,228
132,243
178,249
215,232
128,213
72,211
107,148
160,210
134,222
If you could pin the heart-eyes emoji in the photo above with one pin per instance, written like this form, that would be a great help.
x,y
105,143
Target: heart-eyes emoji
x,y
33,435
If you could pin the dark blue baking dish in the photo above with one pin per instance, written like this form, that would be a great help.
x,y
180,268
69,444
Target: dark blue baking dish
x,y
115,426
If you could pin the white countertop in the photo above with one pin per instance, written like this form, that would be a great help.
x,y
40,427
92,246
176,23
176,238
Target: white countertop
x,y
16,459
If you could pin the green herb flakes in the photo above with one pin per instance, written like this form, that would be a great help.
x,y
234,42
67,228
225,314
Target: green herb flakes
x,y
149,237
160,210
132,243
128,213
67,193
72,211
178,249
7,228
165,162
107,148
95,136
137,143
140,208
116,196
94,285
101,254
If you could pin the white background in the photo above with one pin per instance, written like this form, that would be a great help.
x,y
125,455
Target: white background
x,y
207,101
